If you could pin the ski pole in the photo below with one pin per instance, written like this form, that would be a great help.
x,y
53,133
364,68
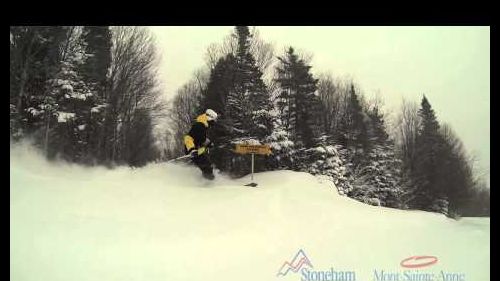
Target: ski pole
x,y
179,158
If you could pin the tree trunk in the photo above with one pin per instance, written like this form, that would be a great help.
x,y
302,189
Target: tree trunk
x,y
46,139
24,78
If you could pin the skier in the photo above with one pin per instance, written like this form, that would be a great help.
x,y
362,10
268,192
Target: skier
x,y
196,142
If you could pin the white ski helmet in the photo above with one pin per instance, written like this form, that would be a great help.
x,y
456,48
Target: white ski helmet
x,y
212,115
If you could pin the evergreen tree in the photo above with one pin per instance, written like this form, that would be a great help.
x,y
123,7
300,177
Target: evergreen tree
x,y
298,105
98,50
353,131
219,87
327,160
377,132
378,179
249,103
428,195
284,149
41,105
220,83
248,107
59,90
35,58
74,101
97,43
455,176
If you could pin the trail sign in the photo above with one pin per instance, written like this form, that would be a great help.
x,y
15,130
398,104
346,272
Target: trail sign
x,y
261,149
253,149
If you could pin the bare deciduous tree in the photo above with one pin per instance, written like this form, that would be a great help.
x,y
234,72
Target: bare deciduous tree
x,y
334,96
133,88
263,52
407,124
212,55
182,110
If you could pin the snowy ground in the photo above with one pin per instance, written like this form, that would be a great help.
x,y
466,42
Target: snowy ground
x,y
163,222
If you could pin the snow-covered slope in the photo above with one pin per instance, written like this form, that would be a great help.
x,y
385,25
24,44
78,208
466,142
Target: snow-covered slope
x,y
164,222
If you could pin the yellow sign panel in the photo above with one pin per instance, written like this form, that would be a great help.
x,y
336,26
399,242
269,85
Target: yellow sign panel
x,y
253,149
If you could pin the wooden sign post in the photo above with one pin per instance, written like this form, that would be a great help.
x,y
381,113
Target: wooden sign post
x,y
253,149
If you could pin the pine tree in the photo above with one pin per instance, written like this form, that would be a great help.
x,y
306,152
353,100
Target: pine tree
x,y
428,195
98,50
284,149
327,160
97,43
219,87
353,131
248,107
220,83
75,103
37,107
249,103
35,58
378,179
377,132
297,102
72,96
308,148
455,173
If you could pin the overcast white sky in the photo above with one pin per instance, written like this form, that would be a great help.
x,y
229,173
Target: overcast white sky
x,y
450,65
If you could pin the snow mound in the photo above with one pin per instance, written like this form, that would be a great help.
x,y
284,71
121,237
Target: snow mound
x,y
165,222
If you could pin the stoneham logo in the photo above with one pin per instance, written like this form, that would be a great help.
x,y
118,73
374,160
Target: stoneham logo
x,y
300,260
302,264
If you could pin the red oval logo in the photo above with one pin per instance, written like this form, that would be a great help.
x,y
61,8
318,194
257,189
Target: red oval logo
x,y
419,261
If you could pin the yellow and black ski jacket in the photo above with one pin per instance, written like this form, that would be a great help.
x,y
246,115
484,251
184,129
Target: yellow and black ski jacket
x,y
197,136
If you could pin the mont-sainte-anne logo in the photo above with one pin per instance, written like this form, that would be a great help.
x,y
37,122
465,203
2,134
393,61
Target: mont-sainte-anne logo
x,y
419,261
299,261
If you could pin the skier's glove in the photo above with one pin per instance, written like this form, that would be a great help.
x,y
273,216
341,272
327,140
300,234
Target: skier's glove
x,y
193,153
201,150
197,152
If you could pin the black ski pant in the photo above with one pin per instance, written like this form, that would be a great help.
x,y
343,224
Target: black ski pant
x,y
203,163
